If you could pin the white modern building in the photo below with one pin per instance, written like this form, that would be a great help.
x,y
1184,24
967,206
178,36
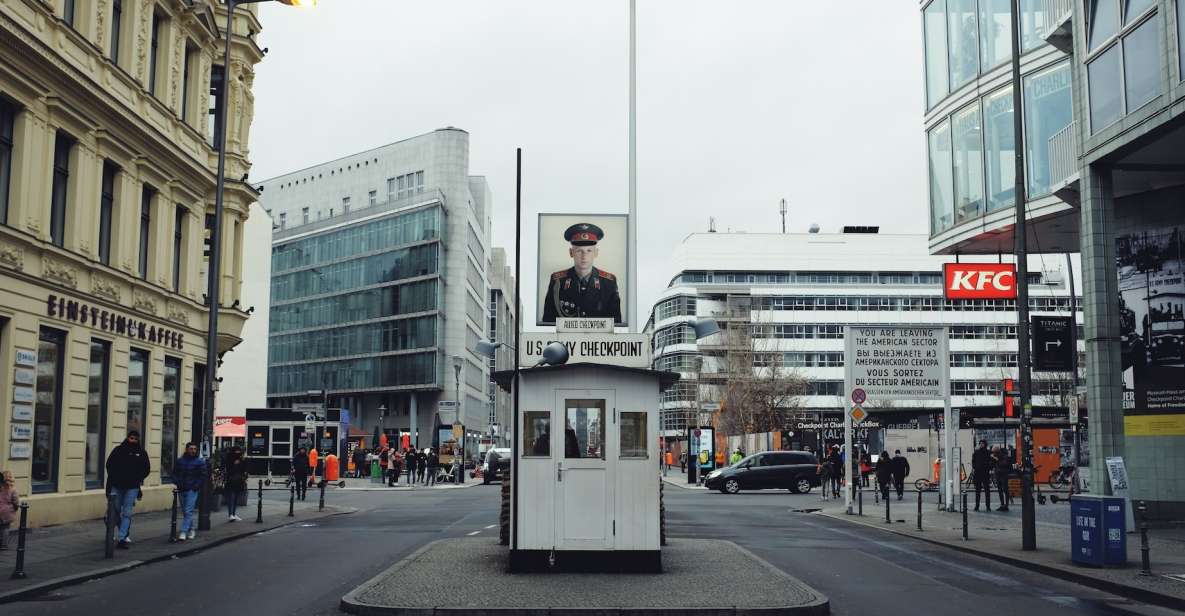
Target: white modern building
x,y
795,293
379,283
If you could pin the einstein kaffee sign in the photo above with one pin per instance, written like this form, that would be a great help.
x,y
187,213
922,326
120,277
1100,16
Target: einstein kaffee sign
x,y
896,363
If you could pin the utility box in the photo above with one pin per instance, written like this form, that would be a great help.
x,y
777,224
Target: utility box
x,y
1098,530
585,482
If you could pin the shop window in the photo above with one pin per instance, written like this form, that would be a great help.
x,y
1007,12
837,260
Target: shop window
x,y
170,416
138,394
47,409
96,412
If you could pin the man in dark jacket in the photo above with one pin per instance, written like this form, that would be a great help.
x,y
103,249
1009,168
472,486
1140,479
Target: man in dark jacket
x,y
300,473
900,472
411,459
981,473
433,462
360,463
884,473
189,473
837,471
127,466
1003,463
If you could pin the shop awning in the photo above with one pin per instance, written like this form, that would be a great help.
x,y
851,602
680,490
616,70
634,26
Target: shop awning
x,y
231,427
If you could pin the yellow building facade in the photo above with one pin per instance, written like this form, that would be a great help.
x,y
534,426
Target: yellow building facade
x,y
107,188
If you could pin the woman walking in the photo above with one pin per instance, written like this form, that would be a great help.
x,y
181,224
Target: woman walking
x,y
236,482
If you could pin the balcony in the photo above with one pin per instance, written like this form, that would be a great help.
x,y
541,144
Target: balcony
x,y
1063,163
1059,14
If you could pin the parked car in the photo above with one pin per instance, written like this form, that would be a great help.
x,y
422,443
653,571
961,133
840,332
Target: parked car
x,y
497,464
780,470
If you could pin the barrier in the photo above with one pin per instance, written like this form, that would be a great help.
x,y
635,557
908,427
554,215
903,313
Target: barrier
x,y
259,505
173,519
291,500
18,572
109,527
964,516
920,510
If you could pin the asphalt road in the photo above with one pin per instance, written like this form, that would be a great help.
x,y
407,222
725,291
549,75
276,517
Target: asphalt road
x,y
306,569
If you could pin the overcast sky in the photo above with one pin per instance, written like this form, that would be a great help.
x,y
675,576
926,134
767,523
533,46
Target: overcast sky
x,y
740,104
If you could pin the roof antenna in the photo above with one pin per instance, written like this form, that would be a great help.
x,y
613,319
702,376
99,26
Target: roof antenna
x,y
711,224
782,209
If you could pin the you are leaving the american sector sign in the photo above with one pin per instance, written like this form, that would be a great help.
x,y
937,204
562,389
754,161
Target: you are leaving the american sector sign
x,y
890,363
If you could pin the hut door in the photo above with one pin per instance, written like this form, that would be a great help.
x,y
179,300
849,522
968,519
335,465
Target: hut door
x,y
584,494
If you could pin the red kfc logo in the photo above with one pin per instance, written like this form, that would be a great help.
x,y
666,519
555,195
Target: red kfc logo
x,y
979,281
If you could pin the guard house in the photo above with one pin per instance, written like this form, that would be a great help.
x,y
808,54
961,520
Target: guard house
x,y
274,435
585,480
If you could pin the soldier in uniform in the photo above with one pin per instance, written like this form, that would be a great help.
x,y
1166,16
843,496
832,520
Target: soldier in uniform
x,y
582,290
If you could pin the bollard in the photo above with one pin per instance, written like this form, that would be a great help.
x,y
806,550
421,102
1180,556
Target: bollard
x,y
291,499
18,573
109,528
321,504
888,520
860,500
1145,559
173,520
259,506
964,516
919,510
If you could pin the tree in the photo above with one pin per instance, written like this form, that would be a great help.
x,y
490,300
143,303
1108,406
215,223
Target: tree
x,y
759,393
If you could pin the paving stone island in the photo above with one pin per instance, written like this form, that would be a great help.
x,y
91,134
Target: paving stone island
x,y
700,576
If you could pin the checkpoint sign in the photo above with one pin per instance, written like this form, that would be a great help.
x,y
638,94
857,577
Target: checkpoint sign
x,y
891,363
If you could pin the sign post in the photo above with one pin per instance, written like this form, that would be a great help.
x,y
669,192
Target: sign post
x,y
1053,343
892,363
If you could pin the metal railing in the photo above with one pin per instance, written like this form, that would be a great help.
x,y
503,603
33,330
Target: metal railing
x,y
1063,155
1052,11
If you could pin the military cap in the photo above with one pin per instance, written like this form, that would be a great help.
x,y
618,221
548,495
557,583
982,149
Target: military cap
x,y
584,234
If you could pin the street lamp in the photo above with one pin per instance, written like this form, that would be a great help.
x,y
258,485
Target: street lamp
x,y
458,362
214,269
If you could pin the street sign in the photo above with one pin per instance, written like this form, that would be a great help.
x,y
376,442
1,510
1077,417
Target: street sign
x,y
858,415
979,280
897,363
308,408
1074,410
859,396
1053,343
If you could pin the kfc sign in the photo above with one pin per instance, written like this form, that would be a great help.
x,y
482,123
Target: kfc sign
x,y
979,281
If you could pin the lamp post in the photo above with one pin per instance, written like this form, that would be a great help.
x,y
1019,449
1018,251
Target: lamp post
x,y
214,269
458,455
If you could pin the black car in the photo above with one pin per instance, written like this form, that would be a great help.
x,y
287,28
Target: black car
x,y
497,464
780,470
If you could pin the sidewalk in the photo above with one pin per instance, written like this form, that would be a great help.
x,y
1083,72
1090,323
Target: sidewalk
x,y
997,535
680,481
67,554
366,485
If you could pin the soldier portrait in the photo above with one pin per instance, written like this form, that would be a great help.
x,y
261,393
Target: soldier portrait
x,y
585,283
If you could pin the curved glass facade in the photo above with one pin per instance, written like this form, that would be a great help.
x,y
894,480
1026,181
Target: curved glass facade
x,y
1124,53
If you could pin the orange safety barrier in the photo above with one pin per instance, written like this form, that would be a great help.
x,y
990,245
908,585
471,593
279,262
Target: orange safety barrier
x,y
332,468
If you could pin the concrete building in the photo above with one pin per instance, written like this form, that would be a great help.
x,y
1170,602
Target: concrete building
x,y
107,182
1104,140
502,309
379,281
782,301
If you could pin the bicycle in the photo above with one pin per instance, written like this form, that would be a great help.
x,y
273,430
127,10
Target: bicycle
x,y
1064,475
925,484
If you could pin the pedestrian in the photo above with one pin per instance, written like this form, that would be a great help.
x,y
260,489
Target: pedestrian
x,y
10,501
236,482
189,473
410,459
422,465
825,470
1003,468
127,466
836,470
359,462
300,472
884,474
682,461
737,456
433,461
720,458
981,473
865,467
900,472
396,464
670,457
385,463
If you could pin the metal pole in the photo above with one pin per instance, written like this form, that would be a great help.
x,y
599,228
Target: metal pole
x,y
173,519
964,516
1074,363
518,319
109,530
259,505
632,253
214,270
1028,513
1145,558
18,572
291,500
859,501
321,503
920,509
888,520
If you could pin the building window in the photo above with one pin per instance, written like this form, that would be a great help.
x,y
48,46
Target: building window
x,y
1048,109
1124,70
96,412
402,185
372,198
283,220
138,394
304,215
106,205
152,53
537,434
998,144
68,13
61,180
178,245
7,122
214,117
633,435
146,195
390,189
962,41
116,26
934,22
995,32
187,70
170,416
968,163
345,205
941,201
47,412
419,181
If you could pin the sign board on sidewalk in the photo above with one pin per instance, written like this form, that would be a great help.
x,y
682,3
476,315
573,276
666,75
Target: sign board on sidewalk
x,y
628,350
1053,343
22,432
897,363
24,376
22,393
1074,410
1117,475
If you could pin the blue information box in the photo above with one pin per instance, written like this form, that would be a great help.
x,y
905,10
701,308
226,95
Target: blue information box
x,y
1098,533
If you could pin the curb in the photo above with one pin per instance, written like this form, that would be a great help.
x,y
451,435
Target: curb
x,y
94,574
350,603
1115,588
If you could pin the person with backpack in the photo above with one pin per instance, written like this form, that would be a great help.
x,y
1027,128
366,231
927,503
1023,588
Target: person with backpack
x,y
127,466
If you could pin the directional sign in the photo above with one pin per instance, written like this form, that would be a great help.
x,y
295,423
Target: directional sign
x,y
1053,344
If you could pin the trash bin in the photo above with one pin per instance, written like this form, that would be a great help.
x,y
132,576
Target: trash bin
x,y
1098,533
376,474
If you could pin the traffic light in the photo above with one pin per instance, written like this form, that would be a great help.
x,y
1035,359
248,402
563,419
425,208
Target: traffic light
x,y
1009,396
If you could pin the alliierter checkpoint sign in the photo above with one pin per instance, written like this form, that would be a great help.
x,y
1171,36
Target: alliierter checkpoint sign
x,y
629,350
896,363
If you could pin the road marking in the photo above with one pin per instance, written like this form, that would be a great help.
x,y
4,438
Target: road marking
x,y
491,526
474,533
